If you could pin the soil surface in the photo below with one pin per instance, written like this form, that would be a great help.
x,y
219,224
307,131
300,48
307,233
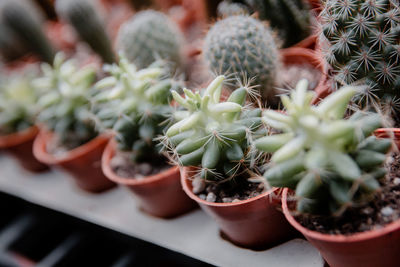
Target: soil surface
x,y
225,192
291,74
382,210
57,148
123,166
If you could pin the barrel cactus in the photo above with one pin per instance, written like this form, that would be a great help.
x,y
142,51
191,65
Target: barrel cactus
x,y
361,41
25,22
244,46
84,17
214,137
332,163
150,35
134,104
64,106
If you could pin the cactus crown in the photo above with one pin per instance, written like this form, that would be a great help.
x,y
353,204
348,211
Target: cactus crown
x,y
242,45
135,105
17,102
64,105
331,162
85,18
230,8
214,136
148,36
360,40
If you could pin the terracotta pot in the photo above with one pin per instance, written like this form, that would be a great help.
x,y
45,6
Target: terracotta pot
x,y
253,223
299,55
309,42
20,145
368,249
160,195
393,133
83,162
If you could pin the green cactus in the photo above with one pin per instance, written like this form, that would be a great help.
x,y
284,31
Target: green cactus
x,y
242,45
85,18
17,101
213,136
361,41
231,8
64,89
25,22
148,36
331,162
134,104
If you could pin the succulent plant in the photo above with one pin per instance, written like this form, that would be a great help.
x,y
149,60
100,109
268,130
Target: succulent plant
x,y
244,46
134,104
64,106
150,35
332,163
84,17
228,8
24,21
213,136
17,101
361,41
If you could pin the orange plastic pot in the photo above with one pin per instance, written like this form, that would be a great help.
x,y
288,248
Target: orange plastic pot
x,y
393,133
20,145
253,223
368,249
160,195
299,55
82,163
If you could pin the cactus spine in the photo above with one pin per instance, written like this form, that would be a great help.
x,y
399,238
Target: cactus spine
x,y
331,162
84,17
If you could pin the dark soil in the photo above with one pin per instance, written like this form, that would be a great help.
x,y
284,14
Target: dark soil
x,y
382,210
123,166
291,74
226,192
57,147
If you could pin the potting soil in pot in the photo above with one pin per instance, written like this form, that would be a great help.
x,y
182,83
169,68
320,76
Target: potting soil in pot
x,y
58,147
383,209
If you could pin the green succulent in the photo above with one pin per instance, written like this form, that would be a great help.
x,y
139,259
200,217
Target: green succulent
x,y
64,89
212,135
361,41
17,102
149,36
332,163
231,8
134,104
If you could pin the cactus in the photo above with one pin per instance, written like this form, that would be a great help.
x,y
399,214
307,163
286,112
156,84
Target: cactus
x,y
10,47
213,136
230,8
148,36
331,162
64,106
25,22
360,40
84,17
242,45
17,102
134,104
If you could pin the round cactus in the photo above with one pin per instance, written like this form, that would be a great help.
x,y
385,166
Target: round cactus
x,y
228,8
361,41
84,17
244,46
150,35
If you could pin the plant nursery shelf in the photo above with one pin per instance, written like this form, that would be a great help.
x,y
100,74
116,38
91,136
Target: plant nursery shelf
x,y
193,234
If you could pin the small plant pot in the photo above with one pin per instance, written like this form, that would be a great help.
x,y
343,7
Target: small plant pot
x,y
20,145
82,163
309,42
368,249
299,55
393,133
253,223
160,195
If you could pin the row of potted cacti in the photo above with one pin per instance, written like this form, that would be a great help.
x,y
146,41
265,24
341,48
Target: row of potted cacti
x,y
230,155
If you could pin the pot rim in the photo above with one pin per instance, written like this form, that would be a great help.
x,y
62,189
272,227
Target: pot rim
x,y
189,192
18,138
109,152
340,238
40,151
384,130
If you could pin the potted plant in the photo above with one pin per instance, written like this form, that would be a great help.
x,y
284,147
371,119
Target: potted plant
x,y
212,142
134,105
346,200
17,117
69,139
365,51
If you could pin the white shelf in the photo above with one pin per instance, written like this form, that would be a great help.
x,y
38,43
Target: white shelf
x,y
193,234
